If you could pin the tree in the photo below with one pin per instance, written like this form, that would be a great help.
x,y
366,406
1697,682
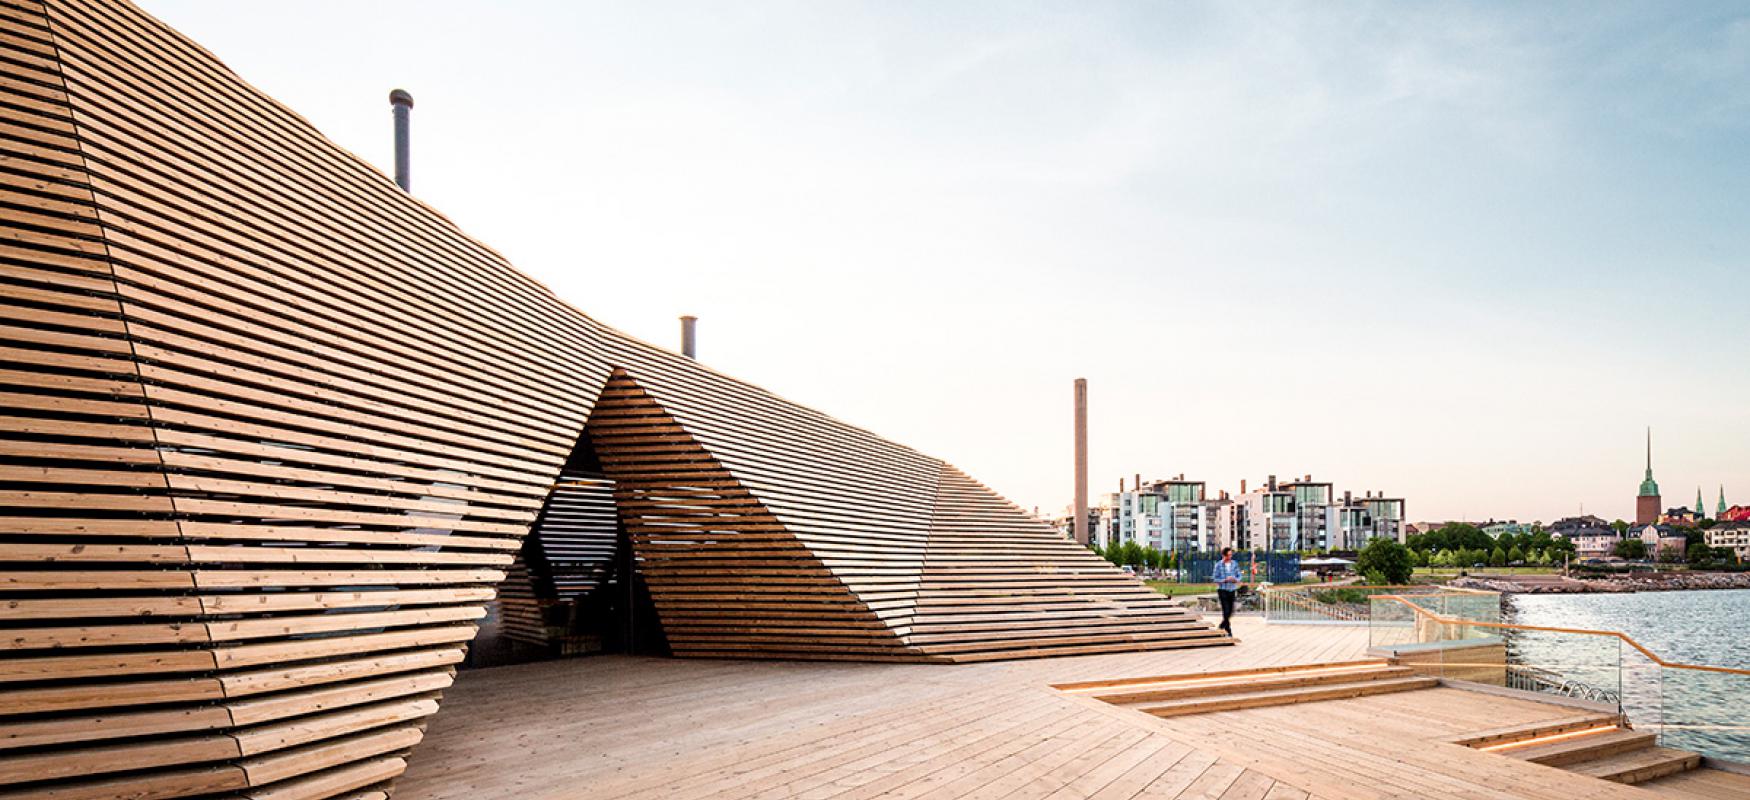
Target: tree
x,y
1384,561
1418,558
1671,554
1497,558
1515,555
1700,554
1131,554
1620,526
1630,548
1459,534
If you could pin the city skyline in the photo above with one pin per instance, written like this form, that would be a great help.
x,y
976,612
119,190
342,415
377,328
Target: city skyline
x,y
1461,255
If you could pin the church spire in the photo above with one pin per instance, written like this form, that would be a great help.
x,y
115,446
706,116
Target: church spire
x,y
1700,507
1649,487
1720,510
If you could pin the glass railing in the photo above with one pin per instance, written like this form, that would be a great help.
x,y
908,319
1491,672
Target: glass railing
x,y
1702,710
1353,604
1692,707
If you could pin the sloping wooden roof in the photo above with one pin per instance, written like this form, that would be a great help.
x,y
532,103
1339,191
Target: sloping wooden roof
x,y
273,430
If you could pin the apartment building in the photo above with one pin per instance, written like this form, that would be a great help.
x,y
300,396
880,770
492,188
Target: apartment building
x,y
1360,520
1166,515
1734,534
1180,515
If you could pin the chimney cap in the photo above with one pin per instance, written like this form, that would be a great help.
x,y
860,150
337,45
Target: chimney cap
x,y
400,97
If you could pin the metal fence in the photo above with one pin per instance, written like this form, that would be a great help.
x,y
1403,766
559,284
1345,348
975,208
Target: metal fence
x,y
1271,567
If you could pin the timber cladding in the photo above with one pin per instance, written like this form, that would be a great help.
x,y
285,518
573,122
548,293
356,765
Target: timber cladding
x,y
273,431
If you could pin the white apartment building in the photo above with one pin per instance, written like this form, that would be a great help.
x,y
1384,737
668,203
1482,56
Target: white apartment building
x,y
1363,519
1178,515
1166,515
1735,535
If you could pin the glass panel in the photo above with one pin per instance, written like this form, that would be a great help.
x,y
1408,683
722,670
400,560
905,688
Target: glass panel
x,y
1579,665
1390,623
1703,711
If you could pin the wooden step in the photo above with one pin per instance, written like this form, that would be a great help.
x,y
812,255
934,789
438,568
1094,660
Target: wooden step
x,y
1501,738
1082,687
1281,697
1586,747
1704,783
1223,686
1639,765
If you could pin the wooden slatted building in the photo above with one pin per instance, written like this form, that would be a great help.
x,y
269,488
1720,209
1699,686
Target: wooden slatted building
x,y
271,432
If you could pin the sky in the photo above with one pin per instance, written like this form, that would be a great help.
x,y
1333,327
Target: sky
x,y
1458,253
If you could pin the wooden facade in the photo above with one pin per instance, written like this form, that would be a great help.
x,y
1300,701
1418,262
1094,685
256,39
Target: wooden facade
x,y
273,431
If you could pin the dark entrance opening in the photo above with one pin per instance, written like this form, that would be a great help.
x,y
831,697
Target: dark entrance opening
x,y
575,588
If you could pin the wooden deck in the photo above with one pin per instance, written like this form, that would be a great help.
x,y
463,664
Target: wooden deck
x,y
613,727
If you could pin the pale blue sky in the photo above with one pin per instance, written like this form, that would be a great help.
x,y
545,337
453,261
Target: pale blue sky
x,y
1456,253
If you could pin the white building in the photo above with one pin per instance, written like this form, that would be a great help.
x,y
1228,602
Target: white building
x,y
1167,515
1379,516
1734,535
1178,515
1662,538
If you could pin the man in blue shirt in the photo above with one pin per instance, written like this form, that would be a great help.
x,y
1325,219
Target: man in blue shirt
x,y
1227,586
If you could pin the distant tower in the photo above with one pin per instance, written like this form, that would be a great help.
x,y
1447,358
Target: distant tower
x,y
1700,507
1079,528
1720,510
1647,505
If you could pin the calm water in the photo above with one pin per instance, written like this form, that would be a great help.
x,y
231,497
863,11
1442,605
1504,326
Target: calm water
x,y
1708,712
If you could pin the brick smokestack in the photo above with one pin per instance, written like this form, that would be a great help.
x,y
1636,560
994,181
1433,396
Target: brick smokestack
x,y
1079,530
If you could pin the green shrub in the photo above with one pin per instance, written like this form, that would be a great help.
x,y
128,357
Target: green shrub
x,y
1385,562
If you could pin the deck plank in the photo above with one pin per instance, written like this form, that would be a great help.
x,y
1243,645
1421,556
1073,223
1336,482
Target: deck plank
x,y
623,727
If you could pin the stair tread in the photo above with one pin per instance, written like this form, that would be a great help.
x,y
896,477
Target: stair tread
x,y
1202,688
1289,695
1633,760
1515,733
1252,672
1621,739
1702,783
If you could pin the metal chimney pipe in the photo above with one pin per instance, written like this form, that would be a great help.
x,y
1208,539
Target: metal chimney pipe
x,y
689,337
1080,530
402,103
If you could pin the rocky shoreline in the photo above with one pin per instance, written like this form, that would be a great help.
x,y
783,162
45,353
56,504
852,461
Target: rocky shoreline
x,y
1631,582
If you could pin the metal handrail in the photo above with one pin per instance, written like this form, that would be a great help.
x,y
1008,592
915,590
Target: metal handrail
x,y
1654,657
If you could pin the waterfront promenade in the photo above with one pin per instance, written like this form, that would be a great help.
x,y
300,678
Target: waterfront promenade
x,y
612,727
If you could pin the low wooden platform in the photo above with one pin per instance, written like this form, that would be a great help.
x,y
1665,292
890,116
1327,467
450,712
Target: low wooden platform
x,y
612,727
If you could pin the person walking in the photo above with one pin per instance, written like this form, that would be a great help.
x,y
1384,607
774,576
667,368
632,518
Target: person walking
x,y
1227,587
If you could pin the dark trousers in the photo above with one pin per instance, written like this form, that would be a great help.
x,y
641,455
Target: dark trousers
x,y
1227,609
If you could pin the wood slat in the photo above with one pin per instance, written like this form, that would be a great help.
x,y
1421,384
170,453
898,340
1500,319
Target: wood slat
x,y
272,431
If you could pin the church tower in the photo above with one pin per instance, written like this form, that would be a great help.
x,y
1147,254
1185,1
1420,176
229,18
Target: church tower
x,y
1647,505
1720,510
1700,506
